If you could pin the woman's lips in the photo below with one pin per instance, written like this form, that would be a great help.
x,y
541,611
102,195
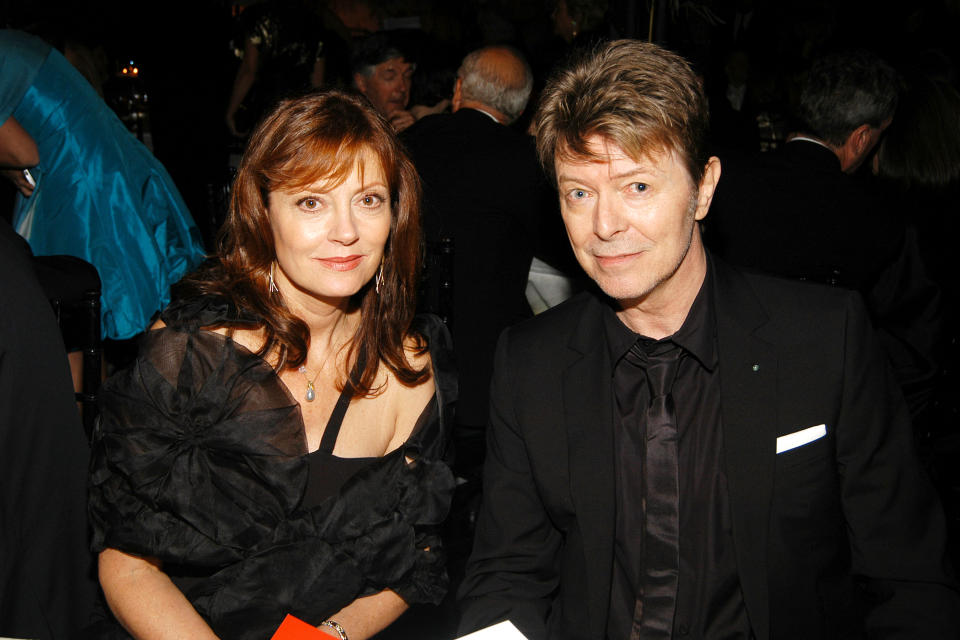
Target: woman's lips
x,y
341,263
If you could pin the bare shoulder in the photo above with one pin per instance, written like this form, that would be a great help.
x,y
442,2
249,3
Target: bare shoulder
x,y
418,355
409,401
250,339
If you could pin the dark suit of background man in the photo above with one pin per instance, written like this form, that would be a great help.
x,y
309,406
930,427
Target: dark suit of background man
x,y
799,212
699,452
483,188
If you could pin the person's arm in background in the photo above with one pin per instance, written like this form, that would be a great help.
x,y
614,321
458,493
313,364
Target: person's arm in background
x,y
18,151
318,75
246,75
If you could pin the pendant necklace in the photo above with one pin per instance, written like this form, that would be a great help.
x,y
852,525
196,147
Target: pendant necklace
x,y
311,393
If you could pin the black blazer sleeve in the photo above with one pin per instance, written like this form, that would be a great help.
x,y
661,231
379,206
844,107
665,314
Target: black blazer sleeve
x,y
512,573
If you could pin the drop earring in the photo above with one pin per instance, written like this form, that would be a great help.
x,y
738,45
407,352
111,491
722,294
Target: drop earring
x,y
378,281
273,285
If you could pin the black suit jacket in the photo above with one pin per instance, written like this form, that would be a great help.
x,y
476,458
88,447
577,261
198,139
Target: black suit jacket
x,y
795,214
482,187
831,537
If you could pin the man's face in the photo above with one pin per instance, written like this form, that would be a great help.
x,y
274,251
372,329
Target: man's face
x,y
388,88
631,223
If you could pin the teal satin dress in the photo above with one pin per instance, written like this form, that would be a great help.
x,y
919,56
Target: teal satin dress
x,y
100,195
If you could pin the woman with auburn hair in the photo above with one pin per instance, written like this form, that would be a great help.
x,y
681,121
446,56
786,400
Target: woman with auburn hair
x,y
277,448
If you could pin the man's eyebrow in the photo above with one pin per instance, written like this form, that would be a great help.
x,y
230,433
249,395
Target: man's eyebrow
x,y
638,171
634,172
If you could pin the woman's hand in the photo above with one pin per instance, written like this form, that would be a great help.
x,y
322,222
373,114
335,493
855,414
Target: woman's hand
x,y
19,180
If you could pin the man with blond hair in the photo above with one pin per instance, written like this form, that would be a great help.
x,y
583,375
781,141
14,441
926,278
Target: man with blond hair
x,y
692,451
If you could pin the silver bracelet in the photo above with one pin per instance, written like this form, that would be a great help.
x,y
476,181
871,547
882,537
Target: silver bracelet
x,y
336,627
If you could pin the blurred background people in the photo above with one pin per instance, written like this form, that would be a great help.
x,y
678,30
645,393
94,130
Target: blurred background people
x,y
919,157
87,187
283,53
382,73
799,213
483,192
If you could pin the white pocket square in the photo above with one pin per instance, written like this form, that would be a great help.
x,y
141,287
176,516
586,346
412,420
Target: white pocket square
x,y
800,438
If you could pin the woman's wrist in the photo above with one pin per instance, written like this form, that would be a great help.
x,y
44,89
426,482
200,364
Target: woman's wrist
x,y
332,628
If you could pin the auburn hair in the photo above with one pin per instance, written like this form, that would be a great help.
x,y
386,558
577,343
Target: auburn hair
x,y
321,137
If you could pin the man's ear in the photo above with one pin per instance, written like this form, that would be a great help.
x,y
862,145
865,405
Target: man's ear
x,y
861,139
457,100
708,185
360,82
855,148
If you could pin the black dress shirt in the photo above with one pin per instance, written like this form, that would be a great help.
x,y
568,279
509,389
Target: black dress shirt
x,y
709,603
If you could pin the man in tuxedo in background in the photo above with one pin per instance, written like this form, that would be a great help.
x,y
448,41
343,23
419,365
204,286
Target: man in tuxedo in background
x,y
799,212
483,191
695,451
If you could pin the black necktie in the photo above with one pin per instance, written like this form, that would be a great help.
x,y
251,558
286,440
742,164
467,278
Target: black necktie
x,y
661,548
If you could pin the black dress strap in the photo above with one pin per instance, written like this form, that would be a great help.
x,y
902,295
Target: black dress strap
x,y
332,430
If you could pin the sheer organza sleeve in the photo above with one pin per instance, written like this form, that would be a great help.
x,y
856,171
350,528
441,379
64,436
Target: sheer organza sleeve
x,y
198,453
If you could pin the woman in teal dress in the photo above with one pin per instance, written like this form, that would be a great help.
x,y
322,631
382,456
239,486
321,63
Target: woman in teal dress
x,y
93,191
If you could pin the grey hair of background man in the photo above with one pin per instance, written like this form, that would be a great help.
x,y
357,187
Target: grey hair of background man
x,y
843,91
372,50
489,84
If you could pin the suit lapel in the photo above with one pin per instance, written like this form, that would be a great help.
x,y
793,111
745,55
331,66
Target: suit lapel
x,y
748,374
589,421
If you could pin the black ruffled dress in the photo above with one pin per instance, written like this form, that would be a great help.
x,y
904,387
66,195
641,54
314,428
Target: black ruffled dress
x,y
200,460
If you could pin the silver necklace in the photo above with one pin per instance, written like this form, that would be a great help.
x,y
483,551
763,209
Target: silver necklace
x,y
311,393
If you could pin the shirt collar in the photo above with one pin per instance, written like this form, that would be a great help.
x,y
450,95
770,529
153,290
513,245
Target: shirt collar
x,y
696,336
809,139
486,113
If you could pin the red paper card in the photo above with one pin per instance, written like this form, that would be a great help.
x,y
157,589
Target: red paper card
x,y
293,628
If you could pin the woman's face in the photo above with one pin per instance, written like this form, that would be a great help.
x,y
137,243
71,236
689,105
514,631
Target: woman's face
x,y
329,241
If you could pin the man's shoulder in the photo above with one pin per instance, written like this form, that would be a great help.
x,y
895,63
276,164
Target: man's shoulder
x,y
555,326
466,124
794,306
775,289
